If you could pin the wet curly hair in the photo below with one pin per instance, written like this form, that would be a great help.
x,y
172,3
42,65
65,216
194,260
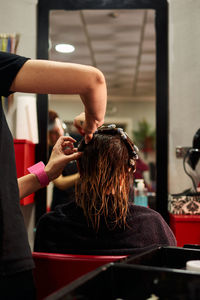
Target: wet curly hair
x,y
106,169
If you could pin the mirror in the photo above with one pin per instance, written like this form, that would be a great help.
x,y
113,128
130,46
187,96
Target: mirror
x,y
121,43
119,75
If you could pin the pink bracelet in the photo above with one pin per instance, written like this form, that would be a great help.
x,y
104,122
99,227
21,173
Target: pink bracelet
x,y
38,170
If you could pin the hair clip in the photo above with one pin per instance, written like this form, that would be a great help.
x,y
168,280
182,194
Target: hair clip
x,y
122,133
135,155
135,152
111,126
131,162
136,149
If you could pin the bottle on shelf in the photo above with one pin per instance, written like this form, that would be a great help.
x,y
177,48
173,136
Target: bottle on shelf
x,y
140,193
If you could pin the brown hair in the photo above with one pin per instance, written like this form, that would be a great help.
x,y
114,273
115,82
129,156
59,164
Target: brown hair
x,y
105,174
52,115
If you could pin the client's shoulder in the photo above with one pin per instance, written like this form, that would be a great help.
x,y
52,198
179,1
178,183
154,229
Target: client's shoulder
x,y
142,211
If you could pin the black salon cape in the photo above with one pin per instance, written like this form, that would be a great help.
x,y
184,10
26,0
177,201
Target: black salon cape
x,y
66,231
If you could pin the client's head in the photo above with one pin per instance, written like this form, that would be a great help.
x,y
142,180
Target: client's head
x,y
106,169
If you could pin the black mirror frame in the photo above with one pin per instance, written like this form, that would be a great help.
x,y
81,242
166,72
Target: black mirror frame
x,y
161,24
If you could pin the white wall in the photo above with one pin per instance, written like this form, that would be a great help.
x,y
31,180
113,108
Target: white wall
x,y
135,111
184,84
19,16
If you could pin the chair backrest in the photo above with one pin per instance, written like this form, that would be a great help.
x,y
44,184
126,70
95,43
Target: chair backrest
x,y
54,271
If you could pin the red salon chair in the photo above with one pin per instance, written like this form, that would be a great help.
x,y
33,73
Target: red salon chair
x,y
54,271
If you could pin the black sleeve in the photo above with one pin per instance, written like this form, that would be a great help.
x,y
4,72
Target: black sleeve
x,y
10,64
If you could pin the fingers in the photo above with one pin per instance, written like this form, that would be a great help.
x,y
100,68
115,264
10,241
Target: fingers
x,y
66,145
66,138
63,152
88,137
73,156
64,141
78,120
68,151
78,123
80,130
86,125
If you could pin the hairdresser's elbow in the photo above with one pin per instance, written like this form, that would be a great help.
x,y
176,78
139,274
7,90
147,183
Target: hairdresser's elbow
x,y
97,78
100,78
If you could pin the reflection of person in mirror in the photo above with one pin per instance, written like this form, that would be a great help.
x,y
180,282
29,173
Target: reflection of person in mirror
x,y
143,172
141,167
102,220
20,74
64,185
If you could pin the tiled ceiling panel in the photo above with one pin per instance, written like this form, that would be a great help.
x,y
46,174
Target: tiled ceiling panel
x,y
121,43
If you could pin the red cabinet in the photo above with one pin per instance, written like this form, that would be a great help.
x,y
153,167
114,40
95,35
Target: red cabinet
x,y
25,157
186,229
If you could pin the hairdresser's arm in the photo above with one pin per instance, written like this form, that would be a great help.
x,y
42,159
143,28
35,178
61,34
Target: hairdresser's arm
x,y
60,156
65,182
48,77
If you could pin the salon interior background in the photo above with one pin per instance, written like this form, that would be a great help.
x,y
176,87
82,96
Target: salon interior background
x,y
184,74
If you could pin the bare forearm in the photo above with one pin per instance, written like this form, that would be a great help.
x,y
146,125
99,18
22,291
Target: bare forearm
x,y
47,77
28,184
65,182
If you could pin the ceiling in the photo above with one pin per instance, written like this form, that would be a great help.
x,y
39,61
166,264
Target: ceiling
x,y
121,43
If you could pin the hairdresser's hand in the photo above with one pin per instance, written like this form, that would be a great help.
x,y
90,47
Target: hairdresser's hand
x,y
79,122
62,153
86,125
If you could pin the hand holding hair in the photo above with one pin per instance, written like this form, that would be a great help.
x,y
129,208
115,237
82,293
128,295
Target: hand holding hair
x,y
62,153
87,125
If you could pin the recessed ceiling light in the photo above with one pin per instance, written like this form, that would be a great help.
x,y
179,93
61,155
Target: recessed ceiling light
x,y
113,14
64,48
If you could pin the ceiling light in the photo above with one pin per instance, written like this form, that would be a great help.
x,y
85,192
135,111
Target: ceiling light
x,y
113,14
64,48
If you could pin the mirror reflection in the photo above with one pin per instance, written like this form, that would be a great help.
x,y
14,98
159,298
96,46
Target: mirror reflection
x,y
121,43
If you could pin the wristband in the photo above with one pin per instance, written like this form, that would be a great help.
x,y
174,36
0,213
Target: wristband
x,y
38,170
